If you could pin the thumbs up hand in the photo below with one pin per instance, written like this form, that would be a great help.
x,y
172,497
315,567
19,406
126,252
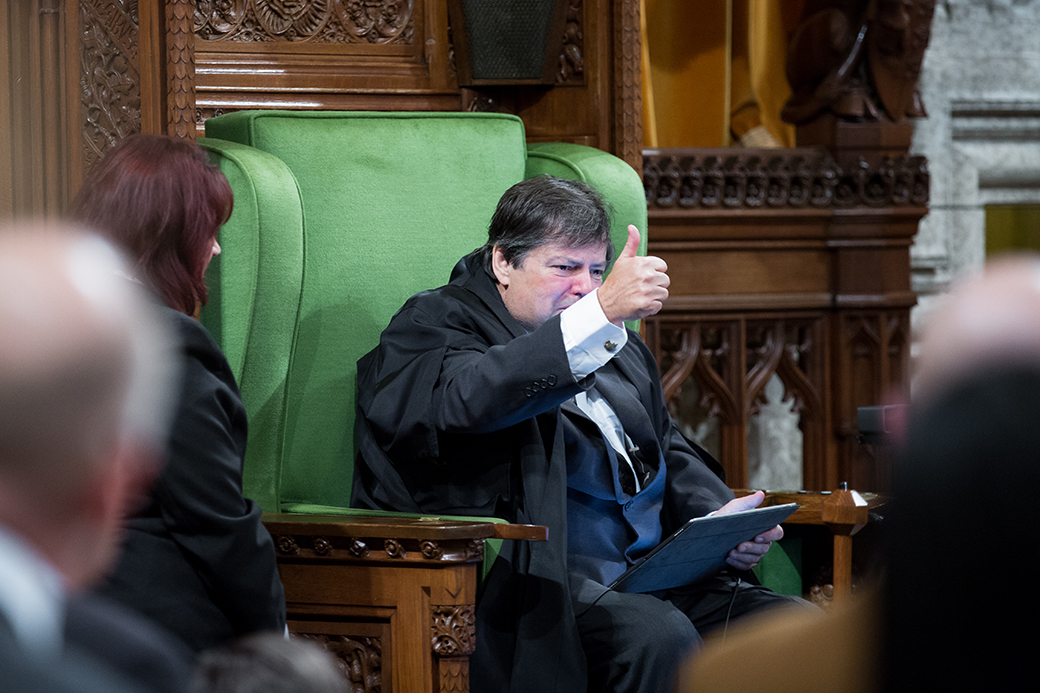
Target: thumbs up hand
x,y
637,286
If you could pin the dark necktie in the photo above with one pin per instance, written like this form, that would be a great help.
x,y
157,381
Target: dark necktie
x,y
634,419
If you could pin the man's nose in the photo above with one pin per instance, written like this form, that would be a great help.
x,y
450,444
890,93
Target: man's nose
x,y
583,283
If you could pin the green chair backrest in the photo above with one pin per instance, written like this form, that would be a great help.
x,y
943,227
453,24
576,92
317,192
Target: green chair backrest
x,y
390,202
254,300
339,218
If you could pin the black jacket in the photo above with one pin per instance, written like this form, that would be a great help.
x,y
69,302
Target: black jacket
x,y
459,412
196,558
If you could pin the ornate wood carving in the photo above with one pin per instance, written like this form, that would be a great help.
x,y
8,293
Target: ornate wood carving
x,y
822,595
453,674
787,349
454,630
180,70
110,82
709,353
628,85
394,549
287,546
731,373
360,659
873,355
357,548
306,21
572,60
430,550
858,60
353,549
791,178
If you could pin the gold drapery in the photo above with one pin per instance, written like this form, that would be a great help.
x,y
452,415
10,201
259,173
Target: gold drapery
x,y
713,72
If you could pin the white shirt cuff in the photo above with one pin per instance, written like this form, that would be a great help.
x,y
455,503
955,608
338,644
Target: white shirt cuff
x,y
589,338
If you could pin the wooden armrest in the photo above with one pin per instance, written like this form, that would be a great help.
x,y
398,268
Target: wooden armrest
x,y
521,532
389,526
845,512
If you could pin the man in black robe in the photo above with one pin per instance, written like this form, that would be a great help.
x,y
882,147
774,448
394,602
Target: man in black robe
x,y
516,392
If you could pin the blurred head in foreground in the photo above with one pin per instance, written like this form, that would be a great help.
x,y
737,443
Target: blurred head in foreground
x,y
963,513
85,369
269,663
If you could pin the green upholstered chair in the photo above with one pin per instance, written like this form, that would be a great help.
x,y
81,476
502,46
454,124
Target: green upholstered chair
x,y
340,217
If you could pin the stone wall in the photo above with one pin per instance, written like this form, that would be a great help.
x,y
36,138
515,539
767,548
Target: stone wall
x,y
981,86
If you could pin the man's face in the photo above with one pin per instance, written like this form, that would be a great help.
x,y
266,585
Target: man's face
x,y
550,279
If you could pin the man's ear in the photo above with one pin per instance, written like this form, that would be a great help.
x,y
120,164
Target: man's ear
x,y
501,266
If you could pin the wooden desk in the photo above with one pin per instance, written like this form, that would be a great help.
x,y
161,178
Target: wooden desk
x,y
393,598
844,512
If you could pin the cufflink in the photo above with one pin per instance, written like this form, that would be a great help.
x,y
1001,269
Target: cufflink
x,y
610,346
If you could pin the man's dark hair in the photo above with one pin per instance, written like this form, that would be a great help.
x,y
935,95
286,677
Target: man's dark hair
x,y
543,210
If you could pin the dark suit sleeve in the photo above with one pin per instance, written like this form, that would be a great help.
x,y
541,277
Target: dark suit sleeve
x,y
130,644
200,496
438,374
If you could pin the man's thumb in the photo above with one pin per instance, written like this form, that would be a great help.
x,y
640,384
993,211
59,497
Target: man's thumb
x,y
632,245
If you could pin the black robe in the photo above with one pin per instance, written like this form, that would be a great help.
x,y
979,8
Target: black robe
x,y
459,412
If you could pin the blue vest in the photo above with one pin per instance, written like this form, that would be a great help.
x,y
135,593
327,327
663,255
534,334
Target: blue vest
x,y
608,527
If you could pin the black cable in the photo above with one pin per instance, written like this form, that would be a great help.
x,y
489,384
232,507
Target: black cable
x,y
732,601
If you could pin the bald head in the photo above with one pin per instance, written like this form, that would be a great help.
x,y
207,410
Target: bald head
x,y
85,370
988,319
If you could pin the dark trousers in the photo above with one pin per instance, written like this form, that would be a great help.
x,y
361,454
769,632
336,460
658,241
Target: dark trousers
x,y
636,642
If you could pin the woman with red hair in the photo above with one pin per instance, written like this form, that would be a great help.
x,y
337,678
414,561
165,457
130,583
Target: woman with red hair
x,y
196,557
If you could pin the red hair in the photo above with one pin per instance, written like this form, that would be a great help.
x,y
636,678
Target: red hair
x,y
163,202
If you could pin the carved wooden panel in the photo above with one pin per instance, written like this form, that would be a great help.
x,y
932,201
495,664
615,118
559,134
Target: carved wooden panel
x,y
328,54
179,88
454,630
785,263
393,597
202,58
776,179
454,639
628,97
452,674
378,550
873,353
729,361
358,649
320,21
397,55
111,83
572,57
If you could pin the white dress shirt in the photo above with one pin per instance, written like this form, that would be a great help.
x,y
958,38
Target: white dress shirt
x,y
31,597
591,340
